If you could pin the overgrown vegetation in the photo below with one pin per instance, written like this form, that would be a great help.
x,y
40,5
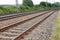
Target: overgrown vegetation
x,y
7,9
28,6
56,35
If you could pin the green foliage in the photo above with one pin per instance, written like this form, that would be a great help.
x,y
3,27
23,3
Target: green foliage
x,y
57,4
44,4
1,12
1,7
28,3
7,9
28,6
23,8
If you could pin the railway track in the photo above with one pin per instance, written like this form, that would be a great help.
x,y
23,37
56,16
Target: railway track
x,y
18,30
20,20
44,31
11,16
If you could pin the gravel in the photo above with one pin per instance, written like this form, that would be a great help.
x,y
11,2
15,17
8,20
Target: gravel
x,y
44,31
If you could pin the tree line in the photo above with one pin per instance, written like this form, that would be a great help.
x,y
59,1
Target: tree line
x,y
29,6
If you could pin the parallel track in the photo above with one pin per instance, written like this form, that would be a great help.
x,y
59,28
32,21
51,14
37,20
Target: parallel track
x,y
11,16
17,35
10,26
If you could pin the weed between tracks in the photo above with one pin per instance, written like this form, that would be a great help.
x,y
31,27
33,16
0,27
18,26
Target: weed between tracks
x,y
57,31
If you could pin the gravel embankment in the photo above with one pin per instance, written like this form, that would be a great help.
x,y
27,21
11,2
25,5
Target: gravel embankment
x,y
43,31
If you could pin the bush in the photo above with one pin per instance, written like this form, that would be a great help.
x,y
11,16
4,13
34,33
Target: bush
x,y
8,9
1,12
23,8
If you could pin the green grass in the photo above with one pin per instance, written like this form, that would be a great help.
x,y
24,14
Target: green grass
x,y
57,31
